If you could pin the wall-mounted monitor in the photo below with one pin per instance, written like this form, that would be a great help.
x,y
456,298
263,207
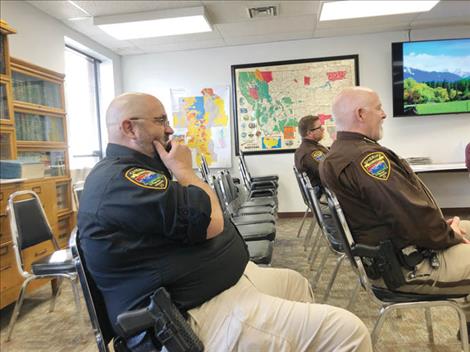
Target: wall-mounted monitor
x,y
431,77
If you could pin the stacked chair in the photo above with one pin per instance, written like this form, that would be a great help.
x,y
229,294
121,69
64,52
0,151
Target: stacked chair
x,y
383,260
257,229
254,217
260,186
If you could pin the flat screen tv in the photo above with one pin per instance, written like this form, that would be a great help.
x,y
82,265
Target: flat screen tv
x,y
431,77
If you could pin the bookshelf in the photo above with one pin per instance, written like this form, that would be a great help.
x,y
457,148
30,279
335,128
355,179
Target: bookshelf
x,y
32,128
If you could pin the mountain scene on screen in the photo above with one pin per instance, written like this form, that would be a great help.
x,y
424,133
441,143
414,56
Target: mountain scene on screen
x,y
436,77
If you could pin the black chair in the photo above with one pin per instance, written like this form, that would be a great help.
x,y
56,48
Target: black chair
x,y
256,189
236,207
304,198
161,317
29,227
204,169
96,307
268,178
250,231
383,260
334,245
236,195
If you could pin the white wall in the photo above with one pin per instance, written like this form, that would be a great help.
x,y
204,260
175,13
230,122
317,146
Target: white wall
x,y
443,138
40,39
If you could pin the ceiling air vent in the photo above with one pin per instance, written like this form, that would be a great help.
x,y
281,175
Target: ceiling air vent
x,y
265,11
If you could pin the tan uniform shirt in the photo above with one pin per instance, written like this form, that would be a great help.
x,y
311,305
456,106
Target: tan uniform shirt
x,y
382,197
307,159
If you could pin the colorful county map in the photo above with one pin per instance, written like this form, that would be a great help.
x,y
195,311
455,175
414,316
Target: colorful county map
x,y
270,101
201,121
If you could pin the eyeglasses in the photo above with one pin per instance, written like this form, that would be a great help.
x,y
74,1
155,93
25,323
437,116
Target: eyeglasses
x,y
316,128
159,120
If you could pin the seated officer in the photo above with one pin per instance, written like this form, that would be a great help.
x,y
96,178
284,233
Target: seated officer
x,y
307,159
141,230
310,152
382,198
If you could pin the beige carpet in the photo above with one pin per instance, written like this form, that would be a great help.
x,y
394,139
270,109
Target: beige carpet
x,y
39,330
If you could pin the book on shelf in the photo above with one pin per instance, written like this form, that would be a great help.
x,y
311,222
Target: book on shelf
x,y
21,169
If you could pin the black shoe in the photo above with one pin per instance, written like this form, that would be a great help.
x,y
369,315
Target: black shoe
x,y
468,331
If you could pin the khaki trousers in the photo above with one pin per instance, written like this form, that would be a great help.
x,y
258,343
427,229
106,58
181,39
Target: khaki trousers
x,y
272,310
452,276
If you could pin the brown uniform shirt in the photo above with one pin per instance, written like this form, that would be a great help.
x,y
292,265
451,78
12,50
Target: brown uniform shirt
x,y
382,197
307,159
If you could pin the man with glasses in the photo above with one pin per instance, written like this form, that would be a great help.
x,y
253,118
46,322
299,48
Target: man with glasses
x,y
141,229
310,152
307,159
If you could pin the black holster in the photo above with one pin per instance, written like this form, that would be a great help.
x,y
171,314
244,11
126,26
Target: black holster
x,y
381,262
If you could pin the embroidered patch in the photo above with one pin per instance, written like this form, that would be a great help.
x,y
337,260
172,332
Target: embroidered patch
x,y
146,178
318,155
377,165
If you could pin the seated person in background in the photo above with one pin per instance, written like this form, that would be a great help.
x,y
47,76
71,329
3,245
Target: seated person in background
x,y
382,198
310,152
307,159
141,230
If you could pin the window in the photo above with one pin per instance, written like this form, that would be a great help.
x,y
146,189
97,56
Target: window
x,y
82,106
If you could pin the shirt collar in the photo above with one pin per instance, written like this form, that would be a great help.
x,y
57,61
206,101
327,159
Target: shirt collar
x,y
345,135
310,141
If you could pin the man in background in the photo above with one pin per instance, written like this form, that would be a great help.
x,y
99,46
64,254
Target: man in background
x,y
308,155
307,159
382,198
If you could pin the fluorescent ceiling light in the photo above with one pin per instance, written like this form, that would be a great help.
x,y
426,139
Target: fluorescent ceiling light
x,y
340,10
155,23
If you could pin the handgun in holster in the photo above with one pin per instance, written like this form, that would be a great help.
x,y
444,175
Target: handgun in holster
x,y
381,261
169,326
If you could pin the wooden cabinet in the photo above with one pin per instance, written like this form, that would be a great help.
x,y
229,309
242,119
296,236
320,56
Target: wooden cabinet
x,y
32,128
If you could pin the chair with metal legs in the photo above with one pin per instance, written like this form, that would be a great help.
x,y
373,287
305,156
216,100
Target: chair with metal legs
x,y
383,260
333,244
29,228
304,197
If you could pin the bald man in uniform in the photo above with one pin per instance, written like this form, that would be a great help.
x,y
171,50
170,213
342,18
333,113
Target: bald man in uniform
x,y
383,198
141,229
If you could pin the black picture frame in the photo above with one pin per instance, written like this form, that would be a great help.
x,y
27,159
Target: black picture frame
x,y
235,69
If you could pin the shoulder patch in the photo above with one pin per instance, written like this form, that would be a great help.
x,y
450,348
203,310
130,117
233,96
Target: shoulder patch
x,y
318,155
377,165
146,178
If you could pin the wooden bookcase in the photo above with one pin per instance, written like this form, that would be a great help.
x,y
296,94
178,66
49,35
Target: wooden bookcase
x,y
33,128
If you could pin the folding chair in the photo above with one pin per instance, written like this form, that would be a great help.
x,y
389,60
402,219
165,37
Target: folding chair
x,y
236,207
334,246
29,227
96,307
304,197
165,323
274,178
257,189
204,169
234,194
383,259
